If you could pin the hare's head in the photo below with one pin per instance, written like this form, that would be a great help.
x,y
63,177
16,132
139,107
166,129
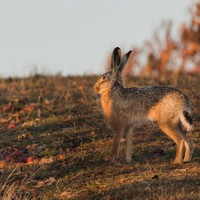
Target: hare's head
x,y
115,75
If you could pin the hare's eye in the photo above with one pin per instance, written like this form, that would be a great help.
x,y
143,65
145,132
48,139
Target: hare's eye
x,y
104,77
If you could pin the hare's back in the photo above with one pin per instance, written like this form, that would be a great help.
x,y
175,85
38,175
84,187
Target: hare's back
x,y
163,103
163,98
153,94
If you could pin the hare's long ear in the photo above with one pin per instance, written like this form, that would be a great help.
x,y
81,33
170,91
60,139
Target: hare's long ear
x,y
124,61
116,58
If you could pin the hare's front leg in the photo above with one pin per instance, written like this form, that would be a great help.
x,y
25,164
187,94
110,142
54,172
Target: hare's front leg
x,y
116,145
129,145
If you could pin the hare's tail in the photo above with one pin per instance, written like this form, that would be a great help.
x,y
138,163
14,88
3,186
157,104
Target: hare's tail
x,y
186,121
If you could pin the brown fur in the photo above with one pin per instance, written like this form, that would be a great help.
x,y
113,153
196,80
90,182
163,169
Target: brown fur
x,y
124,108
106,103
167,108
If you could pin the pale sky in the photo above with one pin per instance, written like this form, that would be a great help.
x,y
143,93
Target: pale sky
x,y
75,36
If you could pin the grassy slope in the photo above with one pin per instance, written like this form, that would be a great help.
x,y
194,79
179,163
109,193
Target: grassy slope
x,y
66,134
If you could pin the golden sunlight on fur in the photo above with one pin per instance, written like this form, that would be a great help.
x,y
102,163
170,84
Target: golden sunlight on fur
x,y
125,108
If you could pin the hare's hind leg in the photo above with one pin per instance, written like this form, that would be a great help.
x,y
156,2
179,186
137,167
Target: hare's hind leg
x,y
187,143
173,132
188,148
116,144
129,145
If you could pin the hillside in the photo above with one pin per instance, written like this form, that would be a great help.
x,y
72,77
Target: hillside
x,y
54,144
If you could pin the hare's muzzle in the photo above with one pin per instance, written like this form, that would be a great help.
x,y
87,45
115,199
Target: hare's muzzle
x,y
96,87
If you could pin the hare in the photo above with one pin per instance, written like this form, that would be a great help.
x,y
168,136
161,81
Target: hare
x,y
124,108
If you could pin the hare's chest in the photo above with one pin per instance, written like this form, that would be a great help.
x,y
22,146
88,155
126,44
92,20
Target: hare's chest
x,y
106,104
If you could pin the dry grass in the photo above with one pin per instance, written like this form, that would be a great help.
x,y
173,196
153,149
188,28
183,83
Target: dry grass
x,y
57,124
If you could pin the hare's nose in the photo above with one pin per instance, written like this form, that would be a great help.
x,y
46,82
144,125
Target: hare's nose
x,y
96,88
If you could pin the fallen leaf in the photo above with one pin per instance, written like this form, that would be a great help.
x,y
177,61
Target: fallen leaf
x,y
27,123
48,181
30,160
25,136
7,108
30,108
61,157
11,125
3,164
46,160
66,195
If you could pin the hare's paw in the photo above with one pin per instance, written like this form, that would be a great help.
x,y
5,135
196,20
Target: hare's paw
x,y
114,159
177,161
128,159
